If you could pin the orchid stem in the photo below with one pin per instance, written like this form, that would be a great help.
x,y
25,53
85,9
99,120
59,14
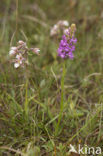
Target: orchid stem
x,y
62,99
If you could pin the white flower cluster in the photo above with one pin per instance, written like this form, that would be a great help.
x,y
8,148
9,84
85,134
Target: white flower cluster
x,y
20,52
61,25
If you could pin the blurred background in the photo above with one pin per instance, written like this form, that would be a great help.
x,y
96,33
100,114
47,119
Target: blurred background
x,y
31,21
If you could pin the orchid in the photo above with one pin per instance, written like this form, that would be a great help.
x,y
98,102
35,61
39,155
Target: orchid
x,y
67,44
60,26
21,53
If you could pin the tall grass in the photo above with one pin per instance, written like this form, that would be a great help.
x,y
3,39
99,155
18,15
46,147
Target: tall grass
x,y
43,114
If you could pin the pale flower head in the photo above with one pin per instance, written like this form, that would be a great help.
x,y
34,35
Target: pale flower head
x,y
54,30
19,57
60,26
63,23
14,48
35,50
66,23
18,61
55,27
12,51
21,53
16,65
21,42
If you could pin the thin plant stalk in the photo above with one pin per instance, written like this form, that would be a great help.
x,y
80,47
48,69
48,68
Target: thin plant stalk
x,y
62,99
26,107
26,99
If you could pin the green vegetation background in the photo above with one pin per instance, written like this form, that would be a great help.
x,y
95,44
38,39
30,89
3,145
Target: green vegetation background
x,y
82,121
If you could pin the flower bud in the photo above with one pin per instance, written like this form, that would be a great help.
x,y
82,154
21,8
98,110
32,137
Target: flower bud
x,y
73,27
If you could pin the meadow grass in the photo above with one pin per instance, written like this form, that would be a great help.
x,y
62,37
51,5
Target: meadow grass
x,y
51,109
